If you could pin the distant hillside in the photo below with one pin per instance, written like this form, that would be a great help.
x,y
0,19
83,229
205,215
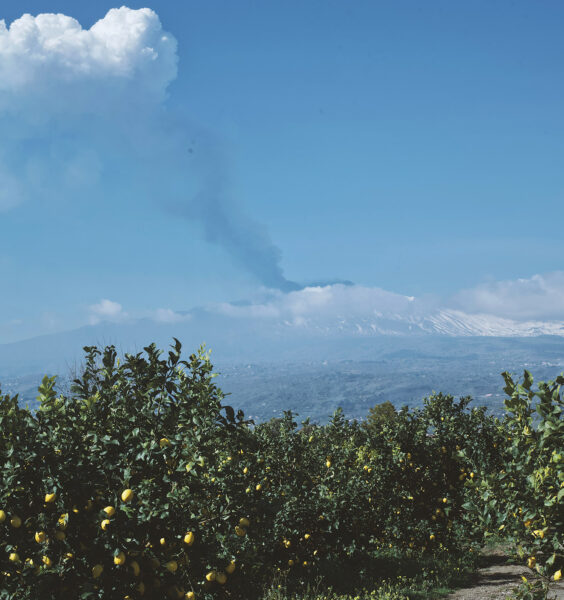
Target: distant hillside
x,y
314,378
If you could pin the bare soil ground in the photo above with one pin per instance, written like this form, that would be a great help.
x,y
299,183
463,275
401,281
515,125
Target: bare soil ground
x,y
497,579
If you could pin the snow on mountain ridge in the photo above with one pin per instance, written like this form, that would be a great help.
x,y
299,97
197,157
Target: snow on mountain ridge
x,y
454,322
357,310
443,322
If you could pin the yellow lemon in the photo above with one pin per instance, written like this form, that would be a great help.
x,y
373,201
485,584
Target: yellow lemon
x,y
47,561
558,575
221,578
171,566
230,568
291,563
189,538
190,596
62,522
97,571
307,536
135,568
244,522
127,495
14,557
40,536
245,470
328,463
2,516
110,511
240,531
15,522
50,498
119,558
432,537
163,442
105,524
162,541
210,576
258,487
445,500
531,562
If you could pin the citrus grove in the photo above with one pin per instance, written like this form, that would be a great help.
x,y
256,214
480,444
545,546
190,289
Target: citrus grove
x,y
141,483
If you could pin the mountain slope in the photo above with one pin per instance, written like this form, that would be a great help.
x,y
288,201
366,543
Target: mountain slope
x,y
241,333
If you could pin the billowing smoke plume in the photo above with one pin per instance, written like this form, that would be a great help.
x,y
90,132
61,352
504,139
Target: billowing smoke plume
x,y
222,219
82,110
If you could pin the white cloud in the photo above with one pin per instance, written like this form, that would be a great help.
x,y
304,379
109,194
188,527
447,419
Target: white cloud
x,y
50,61
75,102
326,303
539,297
166,315
513,307
516,307
522,307
106,310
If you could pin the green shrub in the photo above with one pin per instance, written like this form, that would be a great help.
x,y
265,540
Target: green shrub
x,y
523,500
217,506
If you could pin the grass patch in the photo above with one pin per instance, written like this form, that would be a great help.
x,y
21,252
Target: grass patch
x,y
385,576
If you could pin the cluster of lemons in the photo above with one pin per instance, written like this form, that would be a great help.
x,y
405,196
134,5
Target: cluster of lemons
x,y
120,557
241,527
40,537
174,591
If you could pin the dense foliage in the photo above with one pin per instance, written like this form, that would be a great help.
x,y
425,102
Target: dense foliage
x,y
524,498
142,483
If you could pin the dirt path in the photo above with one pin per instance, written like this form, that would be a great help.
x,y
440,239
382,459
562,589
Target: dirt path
x,y
496,580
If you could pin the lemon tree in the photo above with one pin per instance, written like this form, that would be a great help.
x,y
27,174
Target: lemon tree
x,y
523,500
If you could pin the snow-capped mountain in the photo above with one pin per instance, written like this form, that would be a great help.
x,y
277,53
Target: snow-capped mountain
x,y
314,322
457,323
442,322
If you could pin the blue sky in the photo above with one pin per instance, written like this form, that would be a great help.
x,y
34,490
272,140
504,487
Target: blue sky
x,y
413,147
